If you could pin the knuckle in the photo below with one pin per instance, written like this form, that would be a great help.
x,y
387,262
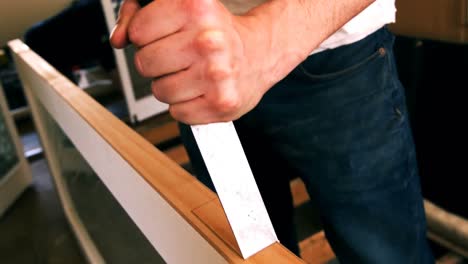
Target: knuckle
x,y
198,8
177,114
226,104
217,73
210,41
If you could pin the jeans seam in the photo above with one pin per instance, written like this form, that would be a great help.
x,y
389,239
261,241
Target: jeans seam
x,y
397,107
379,53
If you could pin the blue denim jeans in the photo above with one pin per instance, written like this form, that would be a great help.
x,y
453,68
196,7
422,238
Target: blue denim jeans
x,y
339,121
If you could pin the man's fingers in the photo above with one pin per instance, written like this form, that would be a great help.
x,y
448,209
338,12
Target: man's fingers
x,y
168,55
178,87
156,21
193,112
204,110
119,35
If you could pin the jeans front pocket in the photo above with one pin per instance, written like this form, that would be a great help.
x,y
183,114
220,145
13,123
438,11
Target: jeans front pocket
x,y
339,71
347,59
342,125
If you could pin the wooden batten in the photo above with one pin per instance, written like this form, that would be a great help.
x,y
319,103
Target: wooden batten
x,y
166,129
178,154
299,192
316,250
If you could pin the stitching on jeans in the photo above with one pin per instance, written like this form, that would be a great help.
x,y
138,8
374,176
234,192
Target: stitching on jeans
x,y
379,53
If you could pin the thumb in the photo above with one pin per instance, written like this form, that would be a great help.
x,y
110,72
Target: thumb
x,y
119,35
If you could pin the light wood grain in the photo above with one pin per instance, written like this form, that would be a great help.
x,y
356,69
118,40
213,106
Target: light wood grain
x,y
156,131
446,228
299,192
316,250
178,154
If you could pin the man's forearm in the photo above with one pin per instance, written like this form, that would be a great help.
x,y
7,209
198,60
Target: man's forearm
x,y
297,27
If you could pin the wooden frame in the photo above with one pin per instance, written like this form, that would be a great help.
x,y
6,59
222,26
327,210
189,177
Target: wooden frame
x,y
147,184
19,177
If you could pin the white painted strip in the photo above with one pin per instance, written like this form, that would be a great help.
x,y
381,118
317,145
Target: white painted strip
x,y
173,237
235,185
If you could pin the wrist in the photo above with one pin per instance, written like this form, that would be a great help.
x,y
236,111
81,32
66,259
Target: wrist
x,y
278,44
290,30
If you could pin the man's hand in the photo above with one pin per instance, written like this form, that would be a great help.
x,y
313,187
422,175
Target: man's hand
x,y
196,53
212,66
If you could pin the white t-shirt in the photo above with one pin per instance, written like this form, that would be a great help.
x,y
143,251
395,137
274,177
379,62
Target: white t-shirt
x,y
378,14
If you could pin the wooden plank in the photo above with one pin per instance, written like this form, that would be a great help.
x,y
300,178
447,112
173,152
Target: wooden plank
x,y
316,250
152,122
235,185
443,222
213,221
178,154
446,228
165,128
451,258
142,178
299,192
444,242
211,215
165,227
161,133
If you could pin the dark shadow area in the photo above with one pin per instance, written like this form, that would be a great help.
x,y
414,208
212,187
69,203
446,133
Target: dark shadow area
x,y
434,74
